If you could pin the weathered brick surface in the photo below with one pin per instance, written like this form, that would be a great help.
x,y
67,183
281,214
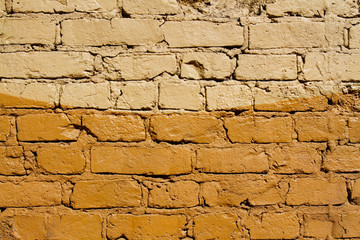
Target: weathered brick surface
x,y
223,226
126,128
354,35
46,127
343,159
347,225
30,194
12,161
45,65
140,160
317,226
321,192
145,226
4,127
354,129
355,193
154,7
106,194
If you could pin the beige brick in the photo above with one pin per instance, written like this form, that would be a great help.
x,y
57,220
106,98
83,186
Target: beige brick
x,y
135,95
151,7
126,128
296,7
4,128
117,31
319,128
2,6
86,95
256,190
266,67
142,67
321,192
328,66
229,97
355,192
232,160
293,35
182,95
343,8
174,195
289,97
202,34
27,31
354,129
106,194
343,159
274,226
145,226
61,159
185,128
216,226
50,6
45,65
19,94
354,34
203,65
347,225
294,159
140,160
46,127
259,129
30,194
12,161
317,226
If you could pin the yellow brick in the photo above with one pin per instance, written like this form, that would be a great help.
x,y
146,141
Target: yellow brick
x,y
347,225
12,161
106,194
343,159
140,160
355,192
317,226
216,226
354,129
4,128
146,226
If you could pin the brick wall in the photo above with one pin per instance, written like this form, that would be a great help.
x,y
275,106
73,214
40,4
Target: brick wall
x,y
179,119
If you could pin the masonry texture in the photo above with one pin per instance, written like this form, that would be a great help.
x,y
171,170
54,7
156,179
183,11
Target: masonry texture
x,y
179,119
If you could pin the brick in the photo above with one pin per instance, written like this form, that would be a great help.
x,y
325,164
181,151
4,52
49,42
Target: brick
x,y
266,67
135,95
347,225
49,6
17,94
354,129
182,95
259,129
61,159
321,192
343,159
2,6
298,7
185,128
145,226
293,35
127,128
294,159
27,31
45,65
106,194
117,31
216,226
336,66
140,160
142,67
274,226
202,34
317,226
232,160
319,128
203,65
228,97
86,95
69,226
4,128
30,194
12,161
354,37
46,127
255,190
343,8
355,192
289,98
151,8
174,195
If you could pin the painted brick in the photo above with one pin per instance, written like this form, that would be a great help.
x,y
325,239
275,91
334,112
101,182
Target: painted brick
x,y
106,194
4,128
343,159
223,226
140,160
12,161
